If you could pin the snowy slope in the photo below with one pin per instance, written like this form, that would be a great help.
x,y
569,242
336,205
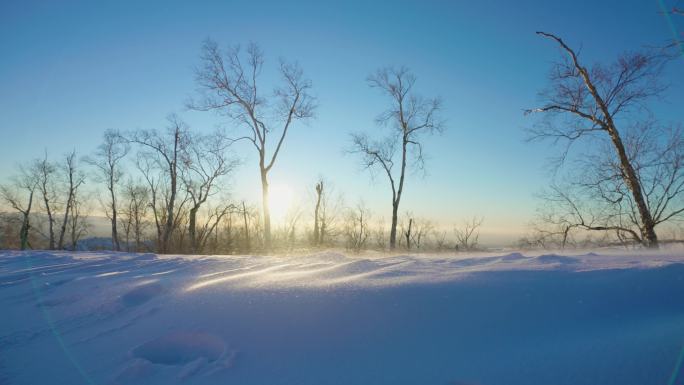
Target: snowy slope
x,y
114,318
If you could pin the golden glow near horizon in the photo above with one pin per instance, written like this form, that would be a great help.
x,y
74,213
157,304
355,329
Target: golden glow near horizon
x,y
280,199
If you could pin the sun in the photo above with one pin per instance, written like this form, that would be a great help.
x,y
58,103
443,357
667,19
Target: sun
x,y
279,200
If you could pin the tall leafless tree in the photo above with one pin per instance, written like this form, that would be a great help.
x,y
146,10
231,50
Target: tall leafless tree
x,y
595,101
46,173
19,195
165,150
409,117
74,180
206,161
152,180
136,206
78,224
229,84
107,160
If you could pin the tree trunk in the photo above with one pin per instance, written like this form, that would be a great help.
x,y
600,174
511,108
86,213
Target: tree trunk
x,y
70,199
62,230
266,209
321,237
649,237
73,226
115,231
244,218
408,234
51,226
137,231
192,223
173,167
24,232
397,199
316,231
393,229
26,225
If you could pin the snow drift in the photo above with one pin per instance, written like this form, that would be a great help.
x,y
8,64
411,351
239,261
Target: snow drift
x,y
327,318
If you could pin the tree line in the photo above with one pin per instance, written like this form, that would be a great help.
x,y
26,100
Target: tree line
x,y
626,181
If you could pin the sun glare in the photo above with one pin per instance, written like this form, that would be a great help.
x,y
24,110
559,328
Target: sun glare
x,y
279,200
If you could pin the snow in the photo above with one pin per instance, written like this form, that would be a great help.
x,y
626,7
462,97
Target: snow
x,y
611,317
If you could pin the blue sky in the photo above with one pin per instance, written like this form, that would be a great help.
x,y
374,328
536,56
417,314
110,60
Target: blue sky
x,y
69,70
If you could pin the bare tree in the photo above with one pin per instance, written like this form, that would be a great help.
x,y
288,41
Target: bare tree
x,y
356,229
245,220
45,173
78,224
107,160
19,195
597,199
210,226
468,235
137,203
407,232
317,208
165,151
74,180
421,233
594,101
441,242
229,83
206,162
329,213
415,231
152,178
410,116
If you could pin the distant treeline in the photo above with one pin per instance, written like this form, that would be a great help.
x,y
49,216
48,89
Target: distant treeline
x,y
166,190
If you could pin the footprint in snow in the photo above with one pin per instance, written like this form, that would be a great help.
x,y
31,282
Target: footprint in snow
x,y
192,353
142,294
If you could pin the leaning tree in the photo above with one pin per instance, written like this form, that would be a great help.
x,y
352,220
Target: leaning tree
x,y
229,83
409,117
631,177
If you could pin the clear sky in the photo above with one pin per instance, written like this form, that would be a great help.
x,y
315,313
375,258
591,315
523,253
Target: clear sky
x,y
69,70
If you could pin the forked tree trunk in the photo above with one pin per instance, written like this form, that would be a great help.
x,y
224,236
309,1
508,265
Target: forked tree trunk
x,y
25,224
115,231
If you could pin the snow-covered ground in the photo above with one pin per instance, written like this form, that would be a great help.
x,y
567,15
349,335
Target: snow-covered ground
x,y
326,318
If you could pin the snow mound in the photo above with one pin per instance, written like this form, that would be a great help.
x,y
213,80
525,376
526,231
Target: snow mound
x,y
179,348
142,294
513,257
559,259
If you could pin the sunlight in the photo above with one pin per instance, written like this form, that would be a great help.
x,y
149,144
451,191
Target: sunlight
x,y
280,199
